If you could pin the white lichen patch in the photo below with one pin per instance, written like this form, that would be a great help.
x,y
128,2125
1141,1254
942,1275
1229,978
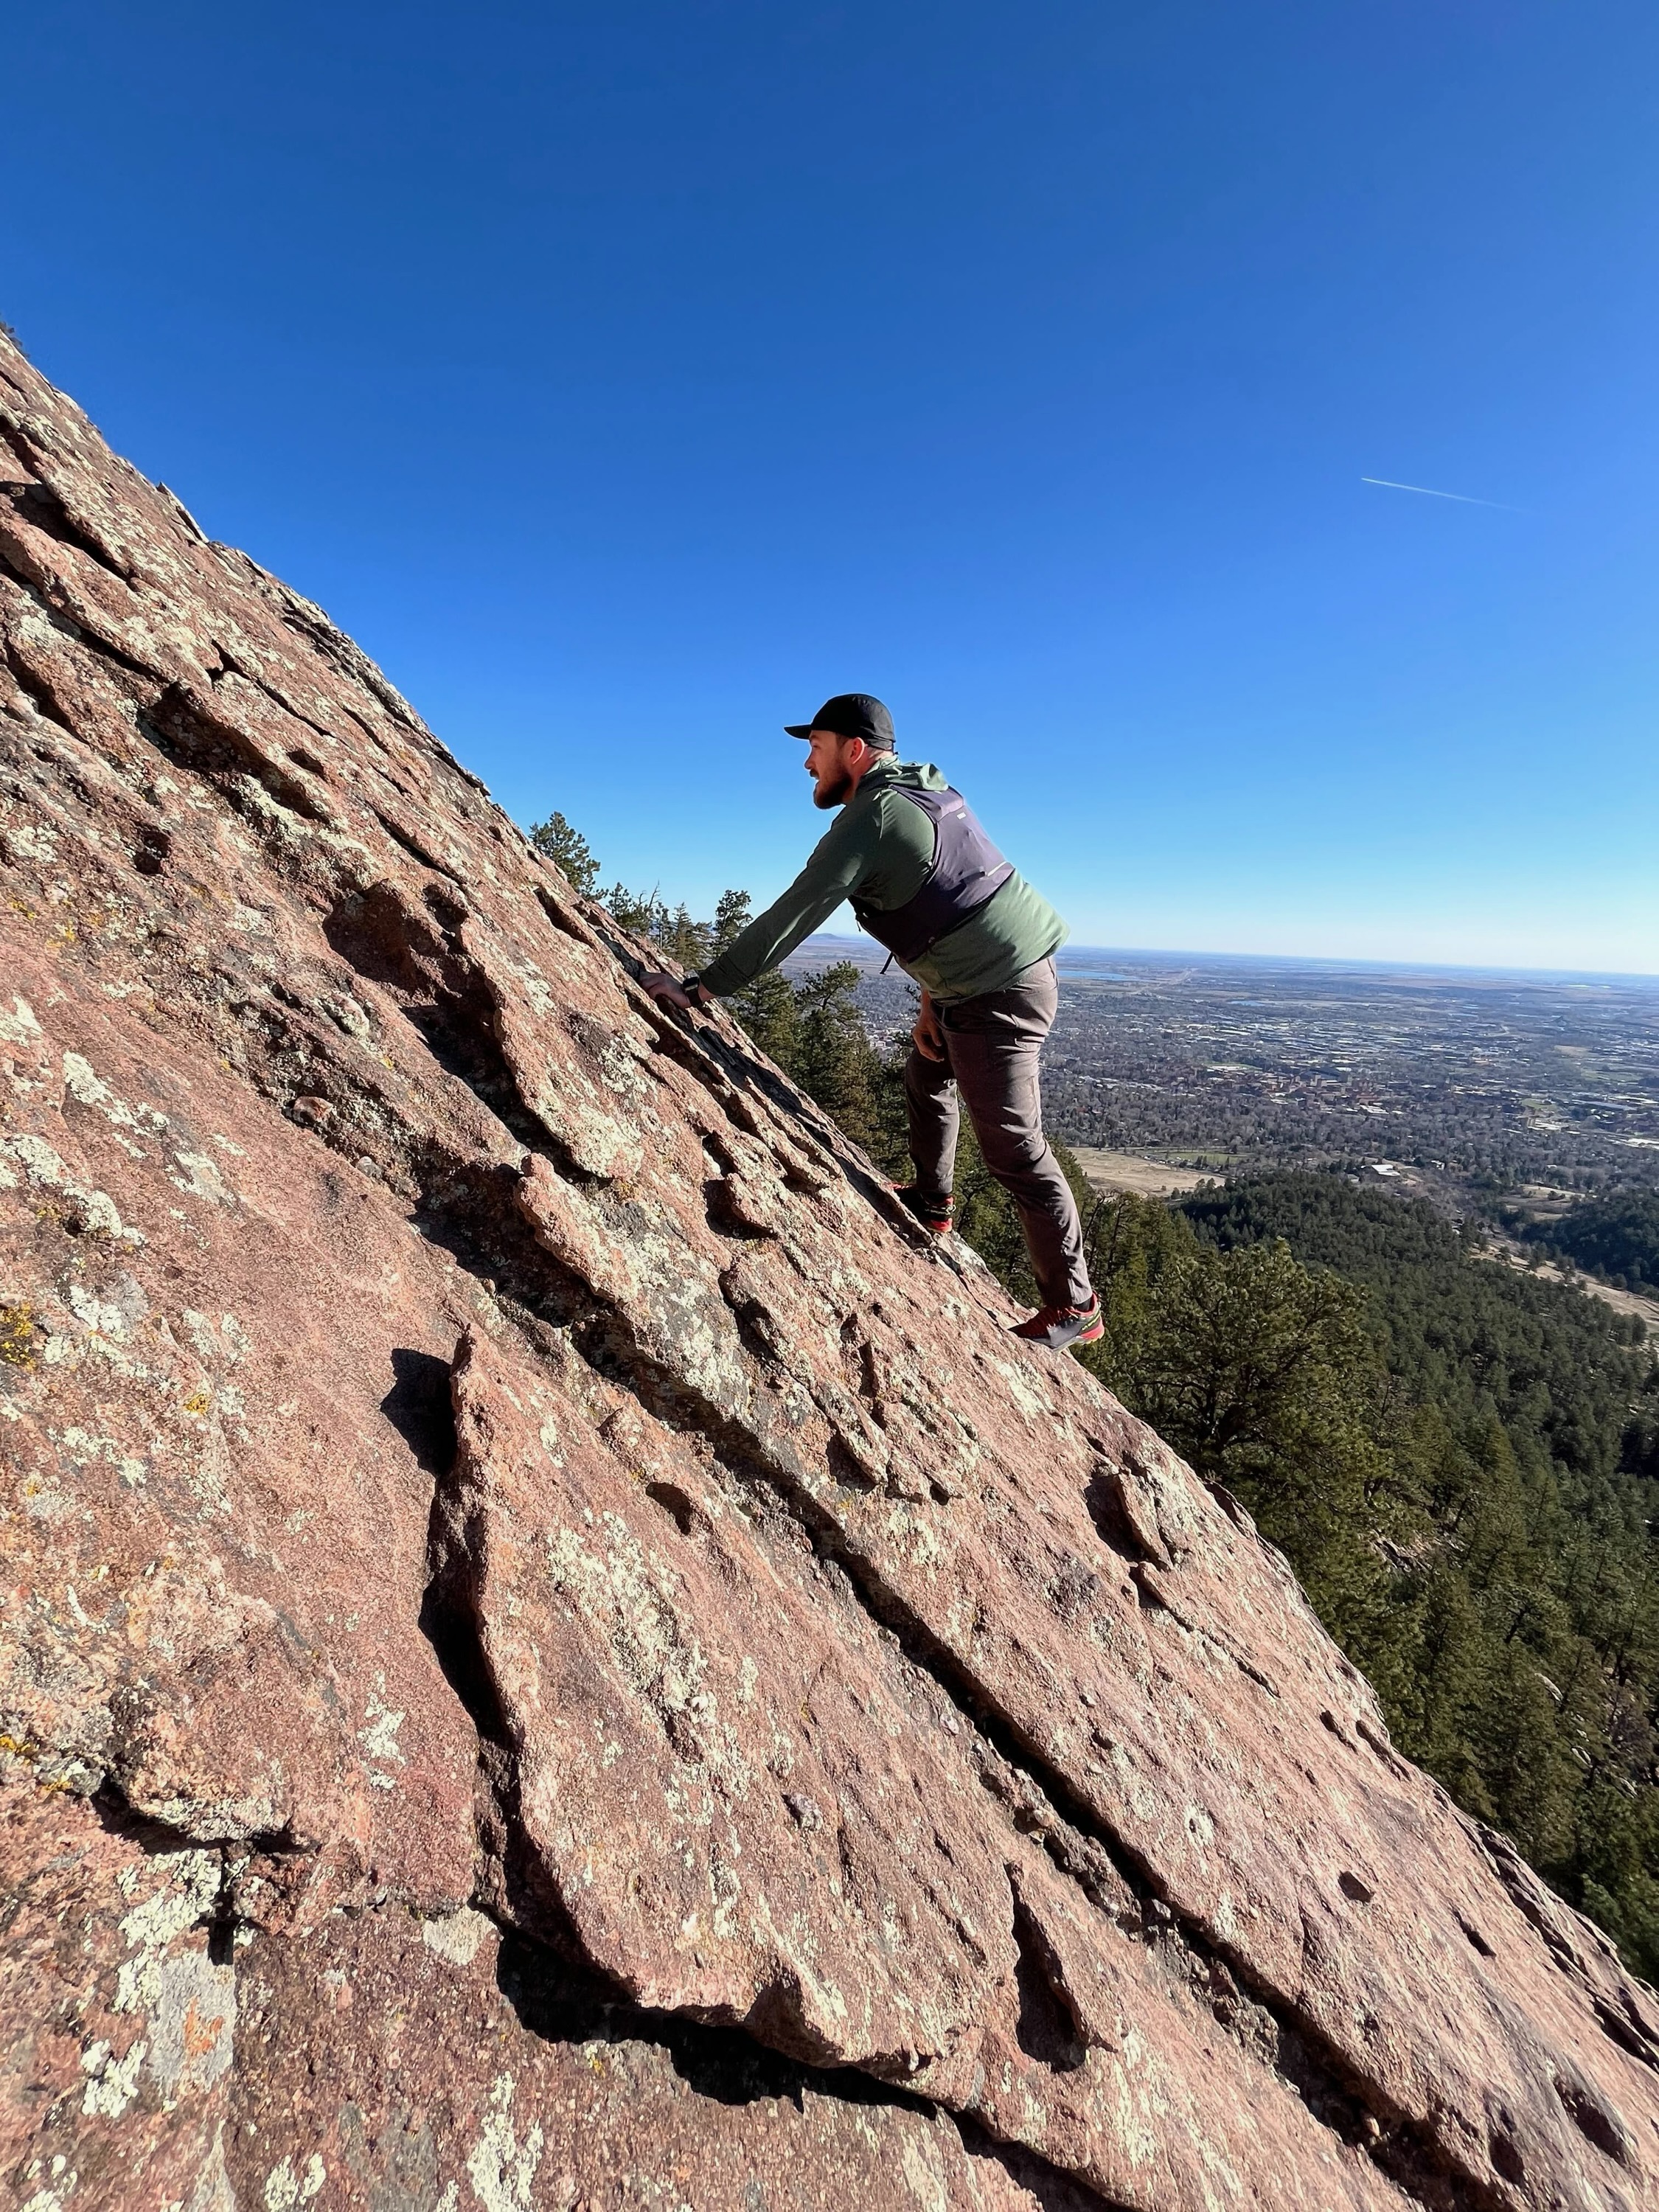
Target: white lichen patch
x,y
919,2162
635,1257
198,1176
187,2002
628,1596
1142,1800
458,1936
382,1722
40,1163
20,1026
221,1346
87,1088
503,2169
44,1168
1024,1391
111,2082
193,2025
1135,2088
83,1448
186,1900
287,2187
56,2198
103,1317
911,1535
349,1014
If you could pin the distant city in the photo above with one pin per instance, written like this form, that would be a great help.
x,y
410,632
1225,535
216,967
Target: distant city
x,y
1470,1086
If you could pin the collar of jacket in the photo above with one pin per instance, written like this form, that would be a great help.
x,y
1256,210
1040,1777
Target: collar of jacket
x,y
880,772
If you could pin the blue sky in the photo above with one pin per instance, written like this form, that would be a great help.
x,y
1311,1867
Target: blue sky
x,y
626,378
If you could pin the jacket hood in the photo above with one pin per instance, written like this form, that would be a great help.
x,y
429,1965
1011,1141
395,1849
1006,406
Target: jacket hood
x,y
916,776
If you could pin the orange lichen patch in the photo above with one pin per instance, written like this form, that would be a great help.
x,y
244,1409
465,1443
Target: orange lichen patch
x,y
17,1334
201,2035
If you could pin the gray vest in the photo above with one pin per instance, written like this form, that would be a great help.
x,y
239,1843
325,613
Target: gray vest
x,y
967,871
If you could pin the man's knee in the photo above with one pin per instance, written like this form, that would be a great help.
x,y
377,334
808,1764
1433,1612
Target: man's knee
x,y
1026,1166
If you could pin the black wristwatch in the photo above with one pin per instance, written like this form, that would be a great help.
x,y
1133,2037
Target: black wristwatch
x,y
694,988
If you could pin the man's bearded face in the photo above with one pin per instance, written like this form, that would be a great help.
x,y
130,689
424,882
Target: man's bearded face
x,y
833,776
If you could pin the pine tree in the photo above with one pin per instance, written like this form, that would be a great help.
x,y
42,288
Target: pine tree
x,y
731,918
570,852
835,1062
768,1011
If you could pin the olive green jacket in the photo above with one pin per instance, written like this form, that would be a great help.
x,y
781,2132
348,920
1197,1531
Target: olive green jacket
x,y
879,849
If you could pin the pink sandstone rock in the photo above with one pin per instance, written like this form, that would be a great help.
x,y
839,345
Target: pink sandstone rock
x,y
552,1651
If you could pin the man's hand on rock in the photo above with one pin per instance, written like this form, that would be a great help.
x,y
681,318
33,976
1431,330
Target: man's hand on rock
x,y
662,985
928,1034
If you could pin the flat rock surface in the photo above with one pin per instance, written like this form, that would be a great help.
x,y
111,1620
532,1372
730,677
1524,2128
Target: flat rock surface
x,y
552,1651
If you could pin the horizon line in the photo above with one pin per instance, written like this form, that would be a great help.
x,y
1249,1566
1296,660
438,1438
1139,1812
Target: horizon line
x,y
1393,963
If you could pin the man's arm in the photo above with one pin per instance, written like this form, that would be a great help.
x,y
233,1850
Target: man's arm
x,y
838,865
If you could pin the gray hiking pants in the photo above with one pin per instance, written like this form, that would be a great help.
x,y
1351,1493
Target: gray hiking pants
x,y
993,1043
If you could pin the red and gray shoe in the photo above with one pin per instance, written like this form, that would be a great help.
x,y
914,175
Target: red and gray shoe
x,y
936,1215
1056,1327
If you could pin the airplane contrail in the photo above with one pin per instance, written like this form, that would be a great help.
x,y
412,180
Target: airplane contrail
x,y
1461,498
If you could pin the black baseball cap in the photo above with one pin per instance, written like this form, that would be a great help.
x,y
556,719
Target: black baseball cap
x,y
852,714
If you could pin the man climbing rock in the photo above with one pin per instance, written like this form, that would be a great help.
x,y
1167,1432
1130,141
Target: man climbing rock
x,y
925,881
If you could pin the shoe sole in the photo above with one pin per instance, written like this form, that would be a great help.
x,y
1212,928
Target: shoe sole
x,y
1091,1334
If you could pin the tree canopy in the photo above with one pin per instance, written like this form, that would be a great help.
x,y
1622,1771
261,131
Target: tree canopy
x,y
569,850
1615,1235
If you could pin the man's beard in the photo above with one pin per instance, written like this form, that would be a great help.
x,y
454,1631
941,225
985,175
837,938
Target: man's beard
x,y
831,790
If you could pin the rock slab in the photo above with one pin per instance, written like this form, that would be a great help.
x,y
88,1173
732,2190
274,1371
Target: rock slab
x,y
552,1651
